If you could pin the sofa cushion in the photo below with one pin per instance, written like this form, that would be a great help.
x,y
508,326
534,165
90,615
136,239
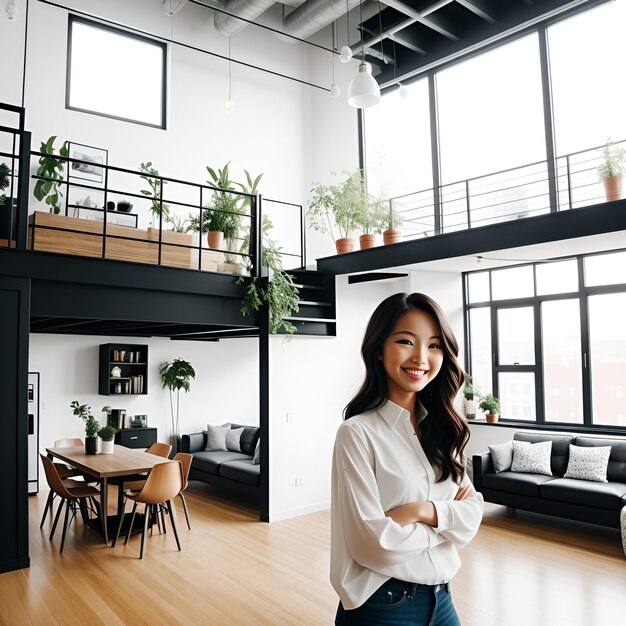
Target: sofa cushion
x,y
585,492
588,463
242,471
501,456
208,461
532,458
248,437
616,472
215,438
515,482
560,448
233,439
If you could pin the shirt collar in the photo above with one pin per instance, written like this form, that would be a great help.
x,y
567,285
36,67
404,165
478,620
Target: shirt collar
x,y
392,413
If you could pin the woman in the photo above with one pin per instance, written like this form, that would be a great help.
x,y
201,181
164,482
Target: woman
x,y
401,502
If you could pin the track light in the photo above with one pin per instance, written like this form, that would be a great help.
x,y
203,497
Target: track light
x,y
12,10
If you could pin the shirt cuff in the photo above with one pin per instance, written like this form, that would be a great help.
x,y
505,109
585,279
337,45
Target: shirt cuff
x,y
443,515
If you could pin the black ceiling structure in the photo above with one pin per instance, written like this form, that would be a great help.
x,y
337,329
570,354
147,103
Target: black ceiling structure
x,y
418,35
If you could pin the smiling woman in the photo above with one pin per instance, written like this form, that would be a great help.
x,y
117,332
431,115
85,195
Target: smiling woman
x,y
115,73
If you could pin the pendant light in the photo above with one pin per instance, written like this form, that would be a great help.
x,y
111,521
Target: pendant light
x,y
335,91
12,10
364,91
230,103
345,55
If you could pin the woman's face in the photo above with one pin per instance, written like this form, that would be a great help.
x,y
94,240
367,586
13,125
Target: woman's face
x,y
412,354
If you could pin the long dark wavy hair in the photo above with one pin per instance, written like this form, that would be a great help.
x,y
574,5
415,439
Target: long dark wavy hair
x,y
444,432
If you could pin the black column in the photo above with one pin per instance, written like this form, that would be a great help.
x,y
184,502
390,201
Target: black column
x,y
14,328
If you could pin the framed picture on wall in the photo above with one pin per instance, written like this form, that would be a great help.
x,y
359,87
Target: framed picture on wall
x,y
93,158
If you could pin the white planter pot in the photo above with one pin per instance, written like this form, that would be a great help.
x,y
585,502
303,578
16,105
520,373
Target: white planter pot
x,y
471,408
107,447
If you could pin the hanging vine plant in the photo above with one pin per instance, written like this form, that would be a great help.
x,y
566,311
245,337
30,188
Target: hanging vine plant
x,y
276,291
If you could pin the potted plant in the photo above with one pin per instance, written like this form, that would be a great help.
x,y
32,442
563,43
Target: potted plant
x,y
51,172
372,218
471,398
6,231
491,406
5,179
221,215
124,206
340,204
107,434
157,206
393,234
611,170
175,376
92,426
276,290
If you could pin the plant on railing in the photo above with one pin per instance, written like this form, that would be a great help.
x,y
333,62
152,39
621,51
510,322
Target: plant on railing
x,y
372,217
276,290
338,207
157,207
5,179
249,187
612,160
50,171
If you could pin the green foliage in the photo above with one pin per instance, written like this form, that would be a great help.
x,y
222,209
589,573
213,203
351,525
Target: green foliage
x,y
490,404
612,160
92,426
51,172
341,204
277,290
394,219
154,193
469,393
5,173
373,216
106,433
177,375
124,205
250,186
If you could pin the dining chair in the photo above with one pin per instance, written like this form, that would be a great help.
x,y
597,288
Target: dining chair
x,y
65,471
185,462
71,494
163,484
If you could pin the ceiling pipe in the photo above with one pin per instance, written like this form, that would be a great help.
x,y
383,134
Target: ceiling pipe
x,y
314,15
228,25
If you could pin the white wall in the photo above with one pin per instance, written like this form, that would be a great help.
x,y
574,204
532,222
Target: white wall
x,y
314,378
226,387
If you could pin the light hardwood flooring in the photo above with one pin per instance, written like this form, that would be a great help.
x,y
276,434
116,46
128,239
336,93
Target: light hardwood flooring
x,y
521,570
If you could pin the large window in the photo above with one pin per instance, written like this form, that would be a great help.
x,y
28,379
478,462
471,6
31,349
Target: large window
x,y
114,73
559,355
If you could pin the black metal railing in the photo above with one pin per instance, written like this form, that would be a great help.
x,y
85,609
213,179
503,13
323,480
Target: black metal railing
x,y
507,195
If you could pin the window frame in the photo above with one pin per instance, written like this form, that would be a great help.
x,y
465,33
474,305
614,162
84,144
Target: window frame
x,y
582,294
73,18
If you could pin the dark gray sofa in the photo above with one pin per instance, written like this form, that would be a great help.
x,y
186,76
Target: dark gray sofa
x,y
230,470
583,500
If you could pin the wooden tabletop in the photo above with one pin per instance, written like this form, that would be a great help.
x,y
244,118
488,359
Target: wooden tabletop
x,y
122,462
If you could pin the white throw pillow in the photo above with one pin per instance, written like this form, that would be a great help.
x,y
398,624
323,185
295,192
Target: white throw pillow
x,y
588,463
502,456
233,439
532,458
215,438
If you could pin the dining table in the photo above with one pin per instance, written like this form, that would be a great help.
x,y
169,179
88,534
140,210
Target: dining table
x,y
123,462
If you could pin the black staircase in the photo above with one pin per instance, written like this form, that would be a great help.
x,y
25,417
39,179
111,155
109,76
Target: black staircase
x,y
317,315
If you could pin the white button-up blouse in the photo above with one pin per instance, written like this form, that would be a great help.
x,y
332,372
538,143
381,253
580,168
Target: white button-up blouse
x,y
378,465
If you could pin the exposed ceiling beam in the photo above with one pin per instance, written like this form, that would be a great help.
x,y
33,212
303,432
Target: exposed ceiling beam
x,y
403,40
422,18
480,8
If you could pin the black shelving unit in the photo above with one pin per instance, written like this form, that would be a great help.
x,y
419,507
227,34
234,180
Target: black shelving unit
x,y
132,360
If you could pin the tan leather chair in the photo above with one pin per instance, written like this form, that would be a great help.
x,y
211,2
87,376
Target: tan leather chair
x,y
185,462
70,492
163,484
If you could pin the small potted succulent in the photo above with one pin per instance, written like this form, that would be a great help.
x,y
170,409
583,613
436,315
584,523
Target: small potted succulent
x,y
107,434
92,426
124,206
491,406
471,398
611,170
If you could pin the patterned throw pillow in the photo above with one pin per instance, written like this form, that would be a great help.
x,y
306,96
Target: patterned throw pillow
x,y
588,463
532,458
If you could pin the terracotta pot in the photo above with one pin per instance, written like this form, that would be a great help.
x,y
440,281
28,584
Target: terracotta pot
x,y
612,188
492,418
392,235
215,238
346,244
367,241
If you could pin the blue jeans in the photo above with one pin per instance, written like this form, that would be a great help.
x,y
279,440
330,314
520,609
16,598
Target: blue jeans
x,y
400,603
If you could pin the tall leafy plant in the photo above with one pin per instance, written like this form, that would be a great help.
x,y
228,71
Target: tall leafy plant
x,y
175,376
83,411
51,172
157,206
4,181
277,290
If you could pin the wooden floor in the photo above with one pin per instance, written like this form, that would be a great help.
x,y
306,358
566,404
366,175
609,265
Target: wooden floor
x,y
521,570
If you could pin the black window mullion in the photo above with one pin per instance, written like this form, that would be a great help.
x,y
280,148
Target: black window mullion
x,y
539,390
466,320
495,357
585,345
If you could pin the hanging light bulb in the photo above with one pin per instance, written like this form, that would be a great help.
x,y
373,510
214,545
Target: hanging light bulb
x,y
335,91
363,91
230,103
12,10
345,55
403,92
